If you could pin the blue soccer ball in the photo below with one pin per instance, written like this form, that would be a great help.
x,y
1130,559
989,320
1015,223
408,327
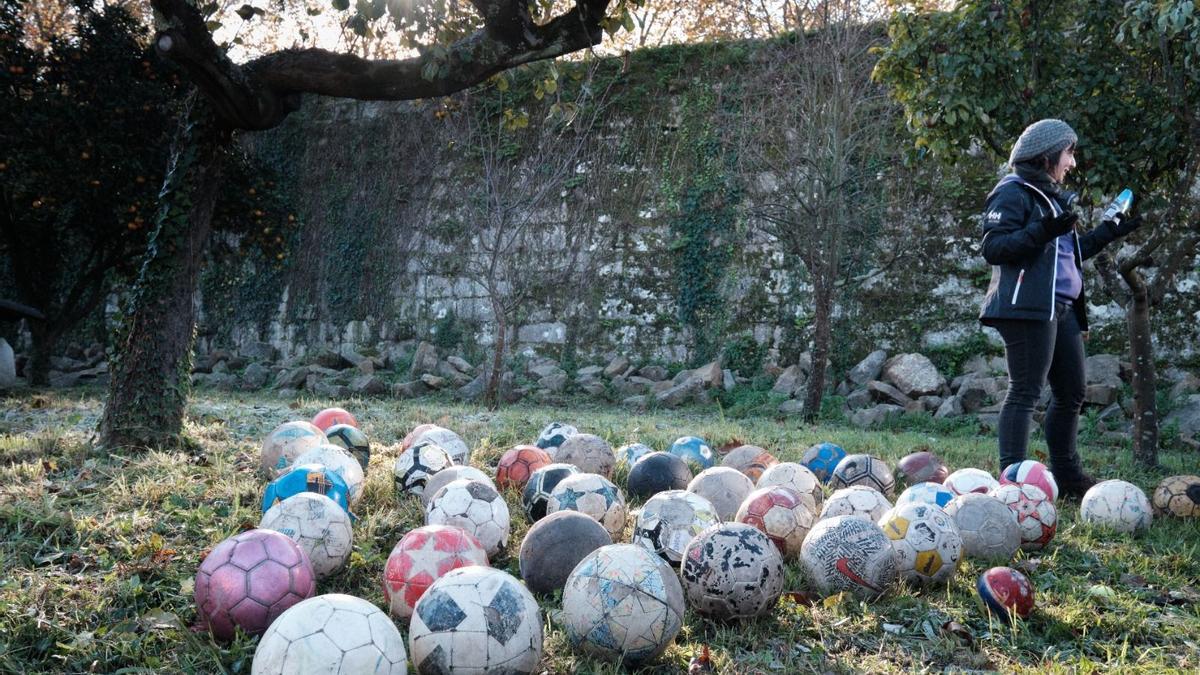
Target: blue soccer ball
x,y
822,459
693,450
926,493
316,478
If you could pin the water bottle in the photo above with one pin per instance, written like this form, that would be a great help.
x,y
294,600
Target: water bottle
x,y
1119,206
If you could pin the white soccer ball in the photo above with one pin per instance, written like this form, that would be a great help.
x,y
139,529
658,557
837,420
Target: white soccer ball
x,y
1118,505
335,634
318,524
286,442
724,487
475,507
925,540
553,436
476,620
857,501
964,481
448,475
926,493
449,441
339,461
592,495
417,464
732,571
797,477
782,514
669,520
848,553
987,527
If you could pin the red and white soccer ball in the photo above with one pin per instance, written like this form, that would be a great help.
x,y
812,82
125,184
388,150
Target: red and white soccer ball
x,y
1030,472
1035,513
423,556
965,481
782,514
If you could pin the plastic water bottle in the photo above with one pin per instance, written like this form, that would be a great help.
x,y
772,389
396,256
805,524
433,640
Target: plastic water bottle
x,y
1119,206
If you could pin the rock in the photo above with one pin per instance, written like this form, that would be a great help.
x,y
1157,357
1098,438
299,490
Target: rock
x,y
976,364
1103,369
951,407
790,381
627,387
805,363
368,385
258,351
367,366
332,390
60,380
930,403
1184,386
886,393
914,408
681,377
255,376
638,402
460,365
473,389
220,368
1100,394
65,364
913,374
292,378
868,369
594,388
546,370
8,365
1111,413
679,393
727,381
394,353
870,417
616,367
588,372
792,406
655,373
327,358
554,383
433,381
710,375
973,395
424,361
842,389
858,399
998,364
661,386
410,389
446,370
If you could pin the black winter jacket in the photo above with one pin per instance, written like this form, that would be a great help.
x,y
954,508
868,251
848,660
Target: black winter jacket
x,y
1025,256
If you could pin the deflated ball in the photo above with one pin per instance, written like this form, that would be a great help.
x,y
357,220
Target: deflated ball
x,y
921,467
751,460
554,545
588,453
724,487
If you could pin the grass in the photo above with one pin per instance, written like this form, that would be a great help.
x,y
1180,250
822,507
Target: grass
x,y
98,553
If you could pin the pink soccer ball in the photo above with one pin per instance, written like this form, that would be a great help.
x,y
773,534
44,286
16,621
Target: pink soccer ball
x,y
1030,472
249,579
423,556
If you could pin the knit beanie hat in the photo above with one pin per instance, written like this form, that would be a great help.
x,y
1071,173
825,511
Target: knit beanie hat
x,y
1041,137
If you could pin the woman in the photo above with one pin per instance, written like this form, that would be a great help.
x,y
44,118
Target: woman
x,y
1036,298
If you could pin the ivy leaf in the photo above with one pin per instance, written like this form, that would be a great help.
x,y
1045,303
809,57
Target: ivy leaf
x,y
341,5
247,12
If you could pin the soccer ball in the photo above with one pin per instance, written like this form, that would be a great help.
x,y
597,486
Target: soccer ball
x,y
415,434
845,553
964,481
448,475
422,556
1178,496
921,467
926,493
732,571
341,463
318,525
333,633
331,416
858,501
285,443
822,459
554,545
750,460
416,465
863,470
553,435
451,442
536,496
797,477
1116,504
589,453
1033,473
693,451
1035,513
658,472
1006,593
782,514
630,454
248,580
475,507
669,520
986,525
925,541
724,487
476,620
592,495
316,478
517,464
622,602
352,441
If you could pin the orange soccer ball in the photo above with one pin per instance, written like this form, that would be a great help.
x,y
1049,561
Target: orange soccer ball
x,y
518,464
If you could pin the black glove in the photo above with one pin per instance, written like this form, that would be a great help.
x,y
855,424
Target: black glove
x,y
1125,225
1062,224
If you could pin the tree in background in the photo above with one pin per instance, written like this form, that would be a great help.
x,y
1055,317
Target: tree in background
x,y
1125,75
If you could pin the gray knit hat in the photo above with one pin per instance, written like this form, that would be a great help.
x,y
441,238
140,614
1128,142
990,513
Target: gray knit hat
x,y
1041,137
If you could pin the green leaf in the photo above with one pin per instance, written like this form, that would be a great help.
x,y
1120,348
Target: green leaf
x,y
341,5
212,26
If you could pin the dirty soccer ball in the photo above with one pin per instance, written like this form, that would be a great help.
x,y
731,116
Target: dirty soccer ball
x,y
1178,496
1118,505
331,416
926,493
1033,473
451,442
921,467
316,478
555,545
845,553
318,525
822,459
448,475
592,495
863,470
1037,519
336,634
732,571
782,514
553,436
518,464
422,556
416,465
750,460
797,477
669,520
987,527
341,463
926,542
858,501
285,443
588,453
724,487
970,480
1006,593
541,484
694,451
475,507
352,441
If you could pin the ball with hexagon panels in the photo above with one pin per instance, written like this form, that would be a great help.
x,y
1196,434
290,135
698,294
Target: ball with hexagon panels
x,y
694,451
926,493
1005,593
1036,517
859,469
331,416
669,520
857,501
1030,472
822,459
594,496
353,441
621,602
589,453
925,541
285,443
536,496
987,527
724,487
517,464
451,442
476,620
424,555
249,579
315,522
1177,496
630,453
797,477
782,514
554,545
416,465
332,634
415,434
316,478
1117,505
732,571
553,435
450,474
475,507
751,460
921,467
658,472
845,553
969,480
341,463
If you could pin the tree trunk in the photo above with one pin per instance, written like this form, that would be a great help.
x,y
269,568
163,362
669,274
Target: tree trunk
x,y
1141,352
822,330
491,394
151,378
44,339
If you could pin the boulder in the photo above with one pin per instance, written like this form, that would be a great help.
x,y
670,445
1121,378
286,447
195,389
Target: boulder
x,y
790,381
60,380
661,386
331,390
727,381
874,416
858,399
913,374
655,373
258,351
460,365
710,375
679,393
473,389
368,385
554,383
886,393
594,388
8,365
868,369
433,381
424,361
220,368
1103,369
626,387
368,366
974,394
976,364
1100,394
930,403
291,378
616,367
950,407
409,389
255,376
546,369
327,358
588,373
1184,386
637,402
66,364
446,370
792,406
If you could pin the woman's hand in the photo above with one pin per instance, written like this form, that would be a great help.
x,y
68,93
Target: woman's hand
x,y
1126,225
1061,224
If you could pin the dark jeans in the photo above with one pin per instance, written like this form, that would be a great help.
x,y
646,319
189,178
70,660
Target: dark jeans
x,y
1037,351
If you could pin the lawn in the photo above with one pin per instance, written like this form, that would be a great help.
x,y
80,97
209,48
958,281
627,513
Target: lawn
x,y
98,553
